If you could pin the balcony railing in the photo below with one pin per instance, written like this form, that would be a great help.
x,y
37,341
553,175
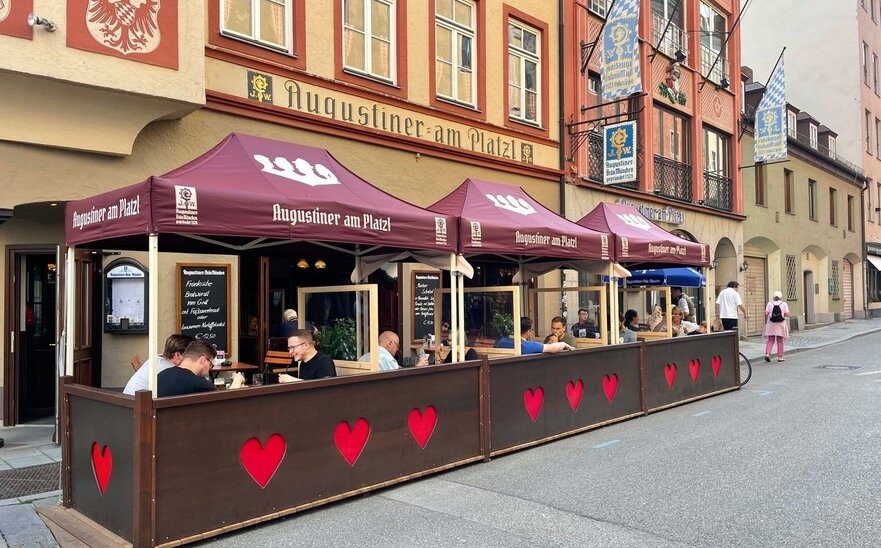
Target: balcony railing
x,y
673,40
721,68
672,179
718,191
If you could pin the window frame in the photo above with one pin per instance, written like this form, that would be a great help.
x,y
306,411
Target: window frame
x,y
850,224
760,185
398,87
540,127
788,205
723,143
868,119
593,6
661,135
791,128
866,64
812,199
877,138
367,57
222,45
813,136
833,207
478,51
722,65
457,31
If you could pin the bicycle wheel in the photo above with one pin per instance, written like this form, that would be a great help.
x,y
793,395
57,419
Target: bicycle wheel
x,y
746,369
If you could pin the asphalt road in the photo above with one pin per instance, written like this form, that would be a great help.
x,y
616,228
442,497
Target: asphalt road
x,y
792,460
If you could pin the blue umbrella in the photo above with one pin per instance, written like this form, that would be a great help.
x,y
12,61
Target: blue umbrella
x,y
680,276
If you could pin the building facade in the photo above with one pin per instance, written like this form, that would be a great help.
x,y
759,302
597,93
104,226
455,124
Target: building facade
x,y
414,97
687,122
856,86
804,235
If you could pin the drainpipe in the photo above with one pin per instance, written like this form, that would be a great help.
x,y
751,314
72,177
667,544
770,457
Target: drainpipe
x,y
561,96
863,253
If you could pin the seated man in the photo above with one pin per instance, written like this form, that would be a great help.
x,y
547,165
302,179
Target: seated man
x,y
388,340
528,346
585,328
171,357
313,364
189,376
559,333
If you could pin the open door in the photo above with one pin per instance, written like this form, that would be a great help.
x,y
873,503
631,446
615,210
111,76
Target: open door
x,y
88,309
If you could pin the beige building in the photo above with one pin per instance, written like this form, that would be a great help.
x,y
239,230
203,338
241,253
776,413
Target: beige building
x,y
838,81
803,236
412,96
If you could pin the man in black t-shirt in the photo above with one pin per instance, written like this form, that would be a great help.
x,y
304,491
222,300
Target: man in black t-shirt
x,y
189,376
313,364
585,328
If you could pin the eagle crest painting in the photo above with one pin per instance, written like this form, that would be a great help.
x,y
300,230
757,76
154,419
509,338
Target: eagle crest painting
x,y
128,26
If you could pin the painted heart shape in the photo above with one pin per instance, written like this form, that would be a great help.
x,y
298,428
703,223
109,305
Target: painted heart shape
x,y
262,461
716,362
533,400
574,391
610,386
422,424
350,441
670,373
694,367
102,465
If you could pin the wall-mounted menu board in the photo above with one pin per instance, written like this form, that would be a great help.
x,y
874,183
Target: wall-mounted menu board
x,y
422,288
203,303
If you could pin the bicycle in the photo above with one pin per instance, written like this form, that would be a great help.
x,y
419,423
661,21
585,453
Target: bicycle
x,y
746,369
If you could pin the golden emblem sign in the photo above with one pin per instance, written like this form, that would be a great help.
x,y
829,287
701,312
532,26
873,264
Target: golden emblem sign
x,y
259,87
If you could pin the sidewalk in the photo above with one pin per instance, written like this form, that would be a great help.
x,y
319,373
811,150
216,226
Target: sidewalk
x,y
754,347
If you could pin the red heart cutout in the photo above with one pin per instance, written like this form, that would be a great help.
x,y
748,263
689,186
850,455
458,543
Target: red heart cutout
x,y
574,390
261,462
694,366
102,465
351,441
716,362
422,424
670,373
610,386
533,400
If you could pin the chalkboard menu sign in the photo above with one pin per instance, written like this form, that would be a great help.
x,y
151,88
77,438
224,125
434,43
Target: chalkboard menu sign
x,y
203,303
422,288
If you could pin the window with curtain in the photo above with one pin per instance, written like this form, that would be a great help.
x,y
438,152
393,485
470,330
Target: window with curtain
x,y
455,37
264,22
369,38
524,70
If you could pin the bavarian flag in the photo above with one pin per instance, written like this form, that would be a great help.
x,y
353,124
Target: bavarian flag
x,y
619,67
770,135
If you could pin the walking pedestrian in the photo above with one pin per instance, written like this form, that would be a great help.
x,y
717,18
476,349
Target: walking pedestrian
x,y
727,304
776,325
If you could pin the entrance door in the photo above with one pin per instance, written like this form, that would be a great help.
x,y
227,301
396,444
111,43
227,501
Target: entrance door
x,y
809,297
846,290
755,296
32,315
88,309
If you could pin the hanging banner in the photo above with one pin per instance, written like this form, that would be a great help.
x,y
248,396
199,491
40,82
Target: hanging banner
x,y
770,136
619,150
619,68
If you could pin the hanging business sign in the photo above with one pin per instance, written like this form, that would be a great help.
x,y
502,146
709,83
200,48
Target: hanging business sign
x,y
619,150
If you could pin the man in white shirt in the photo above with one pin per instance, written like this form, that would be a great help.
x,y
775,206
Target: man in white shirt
x,y
171,357
727,304
389,344
684,303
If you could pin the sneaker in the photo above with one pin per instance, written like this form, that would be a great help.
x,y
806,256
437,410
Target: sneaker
x,y
767,357
780,359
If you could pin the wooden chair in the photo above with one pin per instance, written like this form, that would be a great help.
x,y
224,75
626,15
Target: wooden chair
x,y
278,361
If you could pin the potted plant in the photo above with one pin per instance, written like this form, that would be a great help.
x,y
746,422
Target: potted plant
x,y
338,339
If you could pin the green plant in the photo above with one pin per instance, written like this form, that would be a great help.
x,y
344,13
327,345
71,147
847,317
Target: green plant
x,y
338,340
503,324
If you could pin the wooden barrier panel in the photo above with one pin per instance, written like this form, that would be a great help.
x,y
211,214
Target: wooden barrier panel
x,y
539,397
100,434
234,458
689,367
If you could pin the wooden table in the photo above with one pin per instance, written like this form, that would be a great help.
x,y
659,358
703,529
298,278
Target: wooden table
x,y
234,367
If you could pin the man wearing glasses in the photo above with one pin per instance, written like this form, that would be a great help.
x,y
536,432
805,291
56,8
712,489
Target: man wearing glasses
x,y
313,364
189,376
389,344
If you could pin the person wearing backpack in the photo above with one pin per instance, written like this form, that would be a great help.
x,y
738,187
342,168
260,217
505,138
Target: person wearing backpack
x,y
776,325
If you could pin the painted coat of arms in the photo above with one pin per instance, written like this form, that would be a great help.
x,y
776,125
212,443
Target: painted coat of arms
x,y
5,7
128,26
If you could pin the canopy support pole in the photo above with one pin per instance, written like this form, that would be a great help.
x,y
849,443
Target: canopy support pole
x,y
153,310
461,297
69,312
614,326
454,311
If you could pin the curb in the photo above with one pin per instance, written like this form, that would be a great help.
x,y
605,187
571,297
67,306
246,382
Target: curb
x,y
796,350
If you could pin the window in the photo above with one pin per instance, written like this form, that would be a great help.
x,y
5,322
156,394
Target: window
x,y
850,213
869,204
868,132
524,70
866,63
791,278
715,152
877,138
791,124
833,207
672,12
455,35
263,22
369,38
760,185
813,129
599,7
872,10
812,199
833,279
713,32
671,135
594,86
832,147
875,71
787,191
878,205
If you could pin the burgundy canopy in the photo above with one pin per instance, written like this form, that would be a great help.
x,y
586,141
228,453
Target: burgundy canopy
x,y
254,187
637,239
503,219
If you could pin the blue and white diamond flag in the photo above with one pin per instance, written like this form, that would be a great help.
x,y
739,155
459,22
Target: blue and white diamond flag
x,y
770,137
619,68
